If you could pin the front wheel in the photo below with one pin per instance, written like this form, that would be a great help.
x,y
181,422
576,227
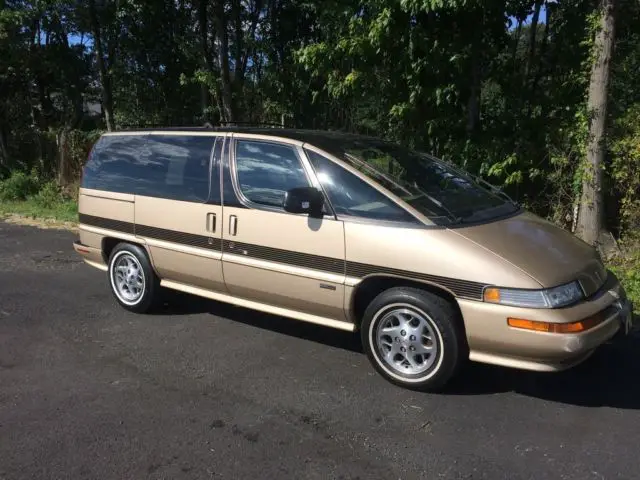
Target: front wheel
x,y
133,282
413,338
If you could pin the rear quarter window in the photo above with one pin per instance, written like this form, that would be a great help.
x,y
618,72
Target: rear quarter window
x,y
165,166
113,164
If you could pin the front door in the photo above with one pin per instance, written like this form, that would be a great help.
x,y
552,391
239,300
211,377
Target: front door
x,y
271,256
178,211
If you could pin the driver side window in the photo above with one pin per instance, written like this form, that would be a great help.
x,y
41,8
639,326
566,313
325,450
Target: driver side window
x,y
265,171
351,196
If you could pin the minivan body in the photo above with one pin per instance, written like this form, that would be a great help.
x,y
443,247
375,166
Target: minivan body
x,y
432,266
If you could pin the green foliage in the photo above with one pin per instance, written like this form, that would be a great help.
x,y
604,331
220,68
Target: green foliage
x,y
49,196
78,144
27,195
625,165
627,267
5,172
473,82
19,186
630,279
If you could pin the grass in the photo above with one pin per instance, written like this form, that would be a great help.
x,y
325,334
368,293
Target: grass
x,y
62,211
627,269
30,196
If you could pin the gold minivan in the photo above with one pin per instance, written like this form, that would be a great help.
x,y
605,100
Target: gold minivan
x,y
430,264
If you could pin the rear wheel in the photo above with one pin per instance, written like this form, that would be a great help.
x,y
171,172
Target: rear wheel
x,y
133,282
413,338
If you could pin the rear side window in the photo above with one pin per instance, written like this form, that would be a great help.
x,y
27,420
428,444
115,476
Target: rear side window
x,y
165,166
179,167
265,171
353,197
114,164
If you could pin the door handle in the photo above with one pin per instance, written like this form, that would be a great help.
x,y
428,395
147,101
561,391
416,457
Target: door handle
x,y
211,222
233,225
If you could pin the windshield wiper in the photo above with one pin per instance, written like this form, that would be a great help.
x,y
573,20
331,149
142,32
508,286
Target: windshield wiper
x,y
374,171
454,218
498,191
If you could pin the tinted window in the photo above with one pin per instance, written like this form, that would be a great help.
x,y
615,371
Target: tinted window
x,y
165,166
178,166
349,195
267,170
115,165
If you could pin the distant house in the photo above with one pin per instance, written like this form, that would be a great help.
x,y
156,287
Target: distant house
x,y
91,107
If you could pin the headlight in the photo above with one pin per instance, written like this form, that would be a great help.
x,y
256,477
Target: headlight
x,y
548,298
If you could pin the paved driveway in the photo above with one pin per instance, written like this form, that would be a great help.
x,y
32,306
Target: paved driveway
x,y
205,390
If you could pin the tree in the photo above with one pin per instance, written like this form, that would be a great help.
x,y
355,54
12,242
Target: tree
x,y
103,65
497,86
591,215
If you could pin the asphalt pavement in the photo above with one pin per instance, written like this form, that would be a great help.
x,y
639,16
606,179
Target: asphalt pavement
x,y
206,390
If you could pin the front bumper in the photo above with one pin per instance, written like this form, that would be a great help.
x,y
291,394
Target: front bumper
x,y
491,340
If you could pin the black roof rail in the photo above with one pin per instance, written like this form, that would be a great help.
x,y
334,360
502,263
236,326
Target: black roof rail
x,y
206,125
250,124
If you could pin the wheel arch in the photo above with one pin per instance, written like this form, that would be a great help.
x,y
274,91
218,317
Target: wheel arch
x,y
372,285
109,243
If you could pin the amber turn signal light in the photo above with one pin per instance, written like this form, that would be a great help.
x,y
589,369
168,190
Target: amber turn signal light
x,y
492,295
573,327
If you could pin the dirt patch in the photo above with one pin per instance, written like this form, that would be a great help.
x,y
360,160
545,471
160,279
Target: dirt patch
x,y
44,223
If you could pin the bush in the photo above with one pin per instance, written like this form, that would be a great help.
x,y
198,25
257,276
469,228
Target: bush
x,y
625,149
18,186
630,280
49,195
627,268
4,172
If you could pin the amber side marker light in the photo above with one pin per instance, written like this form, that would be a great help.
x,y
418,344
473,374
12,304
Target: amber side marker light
x,y
492,295
574,327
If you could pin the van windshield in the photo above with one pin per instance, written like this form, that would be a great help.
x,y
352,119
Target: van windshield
x,y
441,192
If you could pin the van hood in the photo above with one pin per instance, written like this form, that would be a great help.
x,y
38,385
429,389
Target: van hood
x,y
549,254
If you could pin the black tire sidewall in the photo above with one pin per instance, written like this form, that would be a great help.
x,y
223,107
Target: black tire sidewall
x,y
443,319
146,302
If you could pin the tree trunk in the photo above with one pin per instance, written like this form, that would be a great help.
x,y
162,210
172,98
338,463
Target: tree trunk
x,y
64,170
540,63
255,17
4,153
203,23
228,110
591,216
105,79
532,37
473,104
207,63
516,42
236,15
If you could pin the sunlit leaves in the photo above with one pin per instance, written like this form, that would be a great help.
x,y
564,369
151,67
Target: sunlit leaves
x,y
415,6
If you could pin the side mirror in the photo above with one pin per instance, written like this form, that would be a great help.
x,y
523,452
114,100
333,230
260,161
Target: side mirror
x,y
304,200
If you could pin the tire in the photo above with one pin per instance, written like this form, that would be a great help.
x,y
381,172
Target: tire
x,y
401,319
140,291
